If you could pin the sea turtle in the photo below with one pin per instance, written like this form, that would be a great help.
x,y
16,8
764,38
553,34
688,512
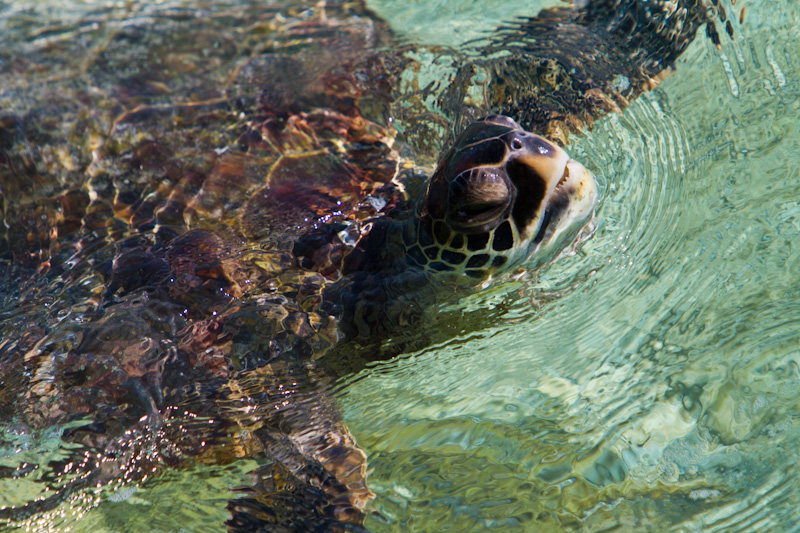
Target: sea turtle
x,y
210,218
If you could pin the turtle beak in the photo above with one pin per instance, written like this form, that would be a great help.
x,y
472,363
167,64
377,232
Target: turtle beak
x,y
570,191
569,206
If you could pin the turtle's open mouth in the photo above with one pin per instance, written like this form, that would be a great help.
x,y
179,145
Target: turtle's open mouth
x,y
572,201
564,178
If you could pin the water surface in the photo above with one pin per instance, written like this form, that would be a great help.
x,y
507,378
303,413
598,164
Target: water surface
x,y
648,380
651,380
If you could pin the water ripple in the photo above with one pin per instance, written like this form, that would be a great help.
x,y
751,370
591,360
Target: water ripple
x,y
651,380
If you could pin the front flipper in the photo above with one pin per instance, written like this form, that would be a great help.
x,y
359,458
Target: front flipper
x,y
560,70
280,500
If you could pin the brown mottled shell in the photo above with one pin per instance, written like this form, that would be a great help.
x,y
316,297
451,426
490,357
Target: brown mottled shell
x,y
152,190
328,164
186,161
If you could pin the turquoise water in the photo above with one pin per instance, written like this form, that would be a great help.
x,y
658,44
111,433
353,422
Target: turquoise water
x,y
651,380
648,380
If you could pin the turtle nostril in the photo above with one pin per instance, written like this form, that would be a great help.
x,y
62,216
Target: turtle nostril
x,y
516,144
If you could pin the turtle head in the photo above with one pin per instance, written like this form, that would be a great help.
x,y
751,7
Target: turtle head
x,y
500,195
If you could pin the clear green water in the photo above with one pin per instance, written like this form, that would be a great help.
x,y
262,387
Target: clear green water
x,y
451,23
650,381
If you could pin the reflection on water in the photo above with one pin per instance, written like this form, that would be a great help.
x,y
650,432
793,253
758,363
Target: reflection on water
x,y
661,386
649,380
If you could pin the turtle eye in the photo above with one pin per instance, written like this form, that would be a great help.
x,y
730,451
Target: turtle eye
x,y
478,197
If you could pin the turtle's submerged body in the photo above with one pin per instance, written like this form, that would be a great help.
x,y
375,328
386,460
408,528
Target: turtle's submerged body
x,y
206,222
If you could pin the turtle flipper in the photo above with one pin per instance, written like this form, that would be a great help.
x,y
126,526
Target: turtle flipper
x,y
314,478
310,499
560,70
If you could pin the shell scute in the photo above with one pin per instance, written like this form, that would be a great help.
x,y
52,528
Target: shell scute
x,y
329,164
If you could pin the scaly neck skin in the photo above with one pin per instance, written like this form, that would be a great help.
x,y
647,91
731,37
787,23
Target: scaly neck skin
x,y
383,292
383,249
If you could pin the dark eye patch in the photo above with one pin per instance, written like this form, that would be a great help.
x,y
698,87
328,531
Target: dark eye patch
x,y
530,193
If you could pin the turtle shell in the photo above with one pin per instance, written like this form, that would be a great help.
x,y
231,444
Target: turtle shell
x,y
150,210
185,204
